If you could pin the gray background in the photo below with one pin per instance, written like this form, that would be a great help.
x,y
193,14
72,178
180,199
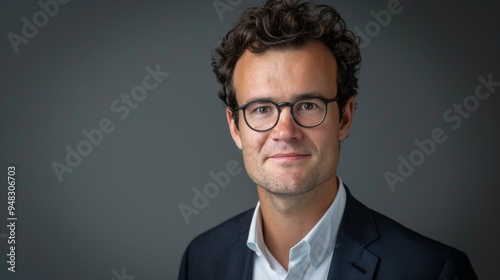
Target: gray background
x,y
119,207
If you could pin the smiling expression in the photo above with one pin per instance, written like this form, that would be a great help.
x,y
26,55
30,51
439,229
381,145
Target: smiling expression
x,y
290,159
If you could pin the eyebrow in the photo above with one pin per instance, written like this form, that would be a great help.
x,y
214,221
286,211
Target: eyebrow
x,y
295,97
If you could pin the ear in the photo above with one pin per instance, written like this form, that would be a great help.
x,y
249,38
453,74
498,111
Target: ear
x,y
233,128
345,124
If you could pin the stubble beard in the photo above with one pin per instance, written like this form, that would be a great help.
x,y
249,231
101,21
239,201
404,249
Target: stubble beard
x,y
288,187
292,186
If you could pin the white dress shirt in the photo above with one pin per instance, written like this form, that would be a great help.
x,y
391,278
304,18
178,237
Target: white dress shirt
x,y
308,259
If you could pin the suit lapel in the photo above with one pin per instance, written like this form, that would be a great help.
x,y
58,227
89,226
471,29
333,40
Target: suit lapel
x,y
239,263
350,259
357,230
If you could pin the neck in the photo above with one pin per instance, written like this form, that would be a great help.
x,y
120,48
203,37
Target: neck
x,y
287,219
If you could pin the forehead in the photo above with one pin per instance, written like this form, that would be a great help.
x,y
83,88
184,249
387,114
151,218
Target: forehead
x,y
284,74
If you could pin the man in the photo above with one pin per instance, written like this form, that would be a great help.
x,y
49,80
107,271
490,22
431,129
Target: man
x,y
288,75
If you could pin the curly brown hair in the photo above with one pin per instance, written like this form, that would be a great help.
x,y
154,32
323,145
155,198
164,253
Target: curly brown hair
x,y
285,24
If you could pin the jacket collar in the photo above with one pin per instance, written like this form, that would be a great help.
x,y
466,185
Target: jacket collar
x,y
240,257
357,230
350,259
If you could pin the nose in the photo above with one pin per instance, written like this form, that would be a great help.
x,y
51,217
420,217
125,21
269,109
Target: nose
x,y
286,129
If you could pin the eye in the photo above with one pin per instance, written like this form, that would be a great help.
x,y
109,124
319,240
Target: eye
x,y
262,110
307,106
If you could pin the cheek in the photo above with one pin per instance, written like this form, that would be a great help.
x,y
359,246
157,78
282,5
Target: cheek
x,y
327,142
252,141
251,151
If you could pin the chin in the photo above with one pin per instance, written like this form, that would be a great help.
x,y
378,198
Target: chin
x,y
289,188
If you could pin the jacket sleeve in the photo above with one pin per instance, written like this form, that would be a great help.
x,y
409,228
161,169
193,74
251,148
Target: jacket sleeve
x,y
458,267
183,270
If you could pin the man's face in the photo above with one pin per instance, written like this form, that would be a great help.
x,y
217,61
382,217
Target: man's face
x,y
289,159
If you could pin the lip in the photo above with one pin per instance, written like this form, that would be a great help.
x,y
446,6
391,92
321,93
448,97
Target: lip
x,y
288,156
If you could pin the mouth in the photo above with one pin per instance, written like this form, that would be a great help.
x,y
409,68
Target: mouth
x,y
288,157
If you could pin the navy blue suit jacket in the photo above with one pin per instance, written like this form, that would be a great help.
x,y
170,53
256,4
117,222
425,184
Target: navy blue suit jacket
x,y
369,246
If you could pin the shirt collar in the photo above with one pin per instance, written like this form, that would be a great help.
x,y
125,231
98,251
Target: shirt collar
x,y
320,241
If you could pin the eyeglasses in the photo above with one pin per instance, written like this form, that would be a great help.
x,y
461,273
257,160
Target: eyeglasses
x,y
263,115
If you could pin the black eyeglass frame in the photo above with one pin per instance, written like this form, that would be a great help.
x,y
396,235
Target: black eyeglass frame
x,y
289,104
